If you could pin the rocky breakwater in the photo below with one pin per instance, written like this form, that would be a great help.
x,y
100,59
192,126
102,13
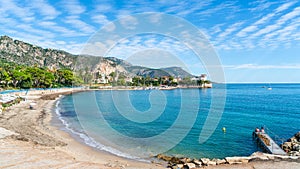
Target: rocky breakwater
x,y
188,163
292,145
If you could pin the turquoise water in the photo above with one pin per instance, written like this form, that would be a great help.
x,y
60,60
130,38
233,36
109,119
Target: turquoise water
x,y
99,119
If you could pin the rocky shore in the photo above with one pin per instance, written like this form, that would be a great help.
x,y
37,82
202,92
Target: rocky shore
x,y
292,145
188,163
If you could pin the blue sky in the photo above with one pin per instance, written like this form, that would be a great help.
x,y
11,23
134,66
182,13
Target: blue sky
x,y
257,41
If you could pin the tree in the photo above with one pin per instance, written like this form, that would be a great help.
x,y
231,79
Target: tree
x,y
66,77
21,76
37,75
48,79
17,76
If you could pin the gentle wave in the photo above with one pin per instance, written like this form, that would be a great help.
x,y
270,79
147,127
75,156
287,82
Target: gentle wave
x,y
90,141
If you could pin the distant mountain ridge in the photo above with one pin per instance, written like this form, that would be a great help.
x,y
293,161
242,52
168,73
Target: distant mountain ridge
x,y
27,54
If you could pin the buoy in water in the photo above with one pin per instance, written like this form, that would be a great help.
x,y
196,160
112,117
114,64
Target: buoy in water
x,y
224,129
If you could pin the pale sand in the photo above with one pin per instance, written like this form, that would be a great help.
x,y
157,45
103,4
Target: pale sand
x,y
31,142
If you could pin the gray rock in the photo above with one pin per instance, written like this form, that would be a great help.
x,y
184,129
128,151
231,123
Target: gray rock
x,y
197,162
185,167
186,160
175,167
212,163
191,165
219,161
204,160
297,135
296,147
237,160
179,165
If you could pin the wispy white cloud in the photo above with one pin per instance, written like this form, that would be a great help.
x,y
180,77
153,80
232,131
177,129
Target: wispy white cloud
x,y
129,22
65,32
285,32
252,28
256,66
34,31
272,30
282,20
215,29
289,16
231,29
184,8
285,6
264,19
265,30
8,21
73,7
100,19
246,30
45,9
80,25
10,7
103,8
227,5
261,5
155,18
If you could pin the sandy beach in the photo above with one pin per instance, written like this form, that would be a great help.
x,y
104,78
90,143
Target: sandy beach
x,y
28,140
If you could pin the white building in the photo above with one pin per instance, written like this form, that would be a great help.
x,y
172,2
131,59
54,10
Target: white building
x,y
203,77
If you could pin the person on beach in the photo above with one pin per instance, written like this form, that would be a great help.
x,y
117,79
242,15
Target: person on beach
x,y
257,129
262,130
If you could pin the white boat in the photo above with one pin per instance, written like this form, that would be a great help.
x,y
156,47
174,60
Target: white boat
x,y
269,88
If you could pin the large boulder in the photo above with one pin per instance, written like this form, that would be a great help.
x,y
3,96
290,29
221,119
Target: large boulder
x,y
191,165
197,162
259,156
297,136
186,160
170,159
205,161
237,160
296,147
178,166
287,146
220,161
212,163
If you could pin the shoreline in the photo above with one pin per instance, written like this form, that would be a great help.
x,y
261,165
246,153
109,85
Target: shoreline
x,y
35,137
58,124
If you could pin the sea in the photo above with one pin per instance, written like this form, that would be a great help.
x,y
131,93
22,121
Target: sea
x,y
195,123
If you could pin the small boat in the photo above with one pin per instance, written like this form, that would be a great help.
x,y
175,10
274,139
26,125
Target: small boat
x,y
269,88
